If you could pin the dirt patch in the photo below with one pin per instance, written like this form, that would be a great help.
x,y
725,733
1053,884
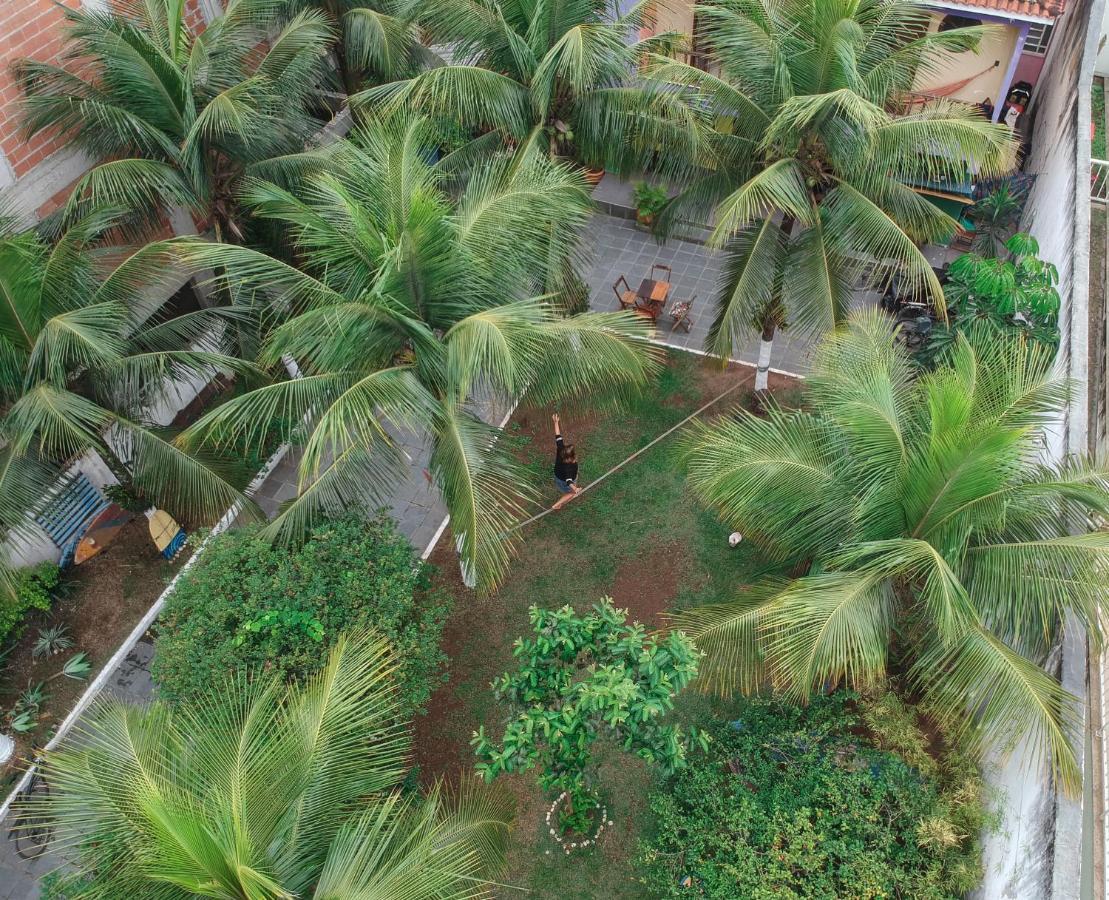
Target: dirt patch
x,y
646,586
100,603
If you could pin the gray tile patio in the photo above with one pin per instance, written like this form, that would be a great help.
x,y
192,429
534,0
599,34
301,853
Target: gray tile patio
x,y
617,247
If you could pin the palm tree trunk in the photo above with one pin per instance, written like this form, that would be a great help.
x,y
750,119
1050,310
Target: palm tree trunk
x,y
772,316
762,373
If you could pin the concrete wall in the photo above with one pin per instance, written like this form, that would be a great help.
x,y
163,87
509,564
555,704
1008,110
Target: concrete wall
x,y
1037,852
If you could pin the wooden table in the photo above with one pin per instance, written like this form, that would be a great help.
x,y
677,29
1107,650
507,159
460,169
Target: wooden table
x,y
654,292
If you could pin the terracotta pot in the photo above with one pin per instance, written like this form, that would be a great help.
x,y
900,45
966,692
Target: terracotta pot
x,y
594,176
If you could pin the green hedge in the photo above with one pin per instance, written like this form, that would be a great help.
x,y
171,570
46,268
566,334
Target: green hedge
x,y
799,802
250,605
34,589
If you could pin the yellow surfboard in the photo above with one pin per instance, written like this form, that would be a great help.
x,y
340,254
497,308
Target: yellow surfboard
x,y
168,536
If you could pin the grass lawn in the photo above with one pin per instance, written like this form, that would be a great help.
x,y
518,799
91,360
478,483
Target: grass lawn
x,y
1098,112
640,538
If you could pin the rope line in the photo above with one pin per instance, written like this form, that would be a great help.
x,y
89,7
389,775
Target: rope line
x,y
641,450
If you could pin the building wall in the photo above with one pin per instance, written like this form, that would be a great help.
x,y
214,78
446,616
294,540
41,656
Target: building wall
x,y
35,174
1037,851
671,15
28,29
1029,68
1101,66
995,48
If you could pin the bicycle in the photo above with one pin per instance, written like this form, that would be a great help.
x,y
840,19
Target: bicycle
x,y
31,830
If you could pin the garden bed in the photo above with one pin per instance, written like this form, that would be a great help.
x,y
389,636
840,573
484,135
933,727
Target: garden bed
x,y
639,537
100,603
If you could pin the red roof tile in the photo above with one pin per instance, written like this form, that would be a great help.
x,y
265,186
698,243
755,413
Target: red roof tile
x,y
1040,8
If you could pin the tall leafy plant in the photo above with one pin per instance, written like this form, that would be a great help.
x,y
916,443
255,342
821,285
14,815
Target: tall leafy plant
x,y
376,41
417,305
267,791
173,117
553,77
930,538
803,166
995,217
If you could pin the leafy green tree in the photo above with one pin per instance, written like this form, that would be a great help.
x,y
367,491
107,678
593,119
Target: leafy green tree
x,y
582,679
929,537
552,77
415,305
85,356
803,167
267,791
248,604
991,297
178,118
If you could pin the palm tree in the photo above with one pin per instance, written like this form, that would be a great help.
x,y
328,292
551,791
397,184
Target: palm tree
x,y
415,305
806,168
84,358
268,791
547,76
995,218
928,537
174,118
375,43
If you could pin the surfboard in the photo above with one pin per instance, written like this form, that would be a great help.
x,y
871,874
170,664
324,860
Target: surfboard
x,y
101,531
168,536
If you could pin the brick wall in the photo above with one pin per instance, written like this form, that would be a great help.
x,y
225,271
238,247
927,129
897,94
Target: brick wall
x,y
32,29
28,29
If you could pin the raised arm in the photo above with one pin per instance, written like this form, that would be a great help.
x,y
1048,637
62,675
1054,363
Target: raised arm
x,y
557,427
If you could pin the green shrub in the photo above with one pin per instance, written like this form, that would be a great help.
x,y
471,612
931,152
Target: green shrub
x,y
34,589
249,605
797,802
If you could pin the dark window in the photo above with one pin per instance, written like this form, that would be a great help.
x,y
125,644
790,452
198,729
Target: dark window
x,y
950,23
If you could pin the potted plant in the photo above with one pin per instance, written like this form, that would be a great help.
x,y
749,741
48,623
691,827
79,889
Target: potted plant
x,y
649,202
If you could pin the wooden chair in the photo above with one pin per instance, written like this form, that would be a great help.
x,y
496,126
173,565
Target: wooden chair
x,y
627,297
679,314
664,268
963,241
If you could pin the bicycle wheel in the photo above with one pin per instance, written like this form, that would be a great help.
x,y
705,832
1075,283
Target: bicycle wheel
x,y
31,830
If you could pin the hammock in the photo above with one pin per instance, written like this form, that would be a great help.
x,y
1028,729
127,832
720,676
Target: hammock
x,y
948,89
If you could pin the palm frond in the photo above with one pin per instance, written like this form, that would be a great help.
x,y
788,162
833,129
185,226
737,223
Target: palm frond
x,y
730,636
749,285
778,188
990,695
484,492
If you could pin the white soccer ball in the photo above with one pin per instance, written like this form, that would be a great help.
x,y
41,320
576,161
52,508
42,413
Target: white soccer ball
x,y
734,538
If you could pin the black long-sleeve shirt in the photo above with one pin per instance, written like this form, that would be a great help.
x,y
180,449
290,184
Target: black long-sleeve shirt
x,y
567,471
